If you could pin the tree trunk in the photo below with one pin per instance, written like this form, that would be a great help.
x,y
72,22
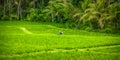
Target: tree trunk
x,y
9,9
108,2
61,19
34,4
119,1
4,8
19,10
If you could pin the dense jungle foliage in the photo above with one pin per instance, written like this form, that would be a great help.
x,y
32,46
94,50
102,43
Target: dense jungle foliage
x,y
90,15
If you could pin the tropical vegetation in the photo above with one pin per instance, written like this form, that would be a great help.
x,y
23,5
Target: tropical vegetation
x,y
91,15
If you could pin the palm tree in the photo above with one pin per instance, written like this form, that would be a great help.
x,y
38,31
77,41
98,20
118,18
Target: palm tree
x,y
98,11
58,9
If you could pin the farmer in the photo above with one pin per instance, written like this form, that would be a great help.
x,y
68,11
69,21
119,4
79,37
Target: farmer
x,y
60,32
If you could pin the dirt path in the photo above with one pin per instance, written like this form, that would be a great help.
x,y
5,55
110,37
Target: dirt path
x,y
21,28
63,50
25,30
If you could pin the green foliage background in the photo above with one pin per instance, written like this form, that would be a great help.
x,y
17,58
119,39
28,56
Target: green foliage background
x,y
90,15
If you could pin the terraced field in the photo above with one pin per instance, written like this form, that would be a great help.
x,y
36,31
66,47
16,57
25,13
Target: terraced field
x,y
21,40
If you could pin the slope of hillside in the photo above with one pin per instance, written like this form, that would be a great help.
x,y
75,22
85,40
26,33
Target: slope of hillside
x,y
33,40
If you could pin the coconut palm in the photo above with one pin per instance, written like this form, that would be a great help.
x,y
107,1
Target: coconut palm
x,y
58,9
99,11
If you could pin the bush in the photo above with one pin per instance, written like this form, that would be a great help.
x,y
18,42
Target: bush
x,y
107,30
88,29
5,17
14,17
33,16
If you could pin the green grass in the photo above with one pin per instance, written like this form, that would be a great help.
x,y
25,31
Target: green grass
x,y
45,44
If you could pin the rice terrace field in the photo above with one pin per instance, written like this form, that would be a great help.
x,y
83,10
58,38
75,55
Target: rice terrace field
x,y
21,40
